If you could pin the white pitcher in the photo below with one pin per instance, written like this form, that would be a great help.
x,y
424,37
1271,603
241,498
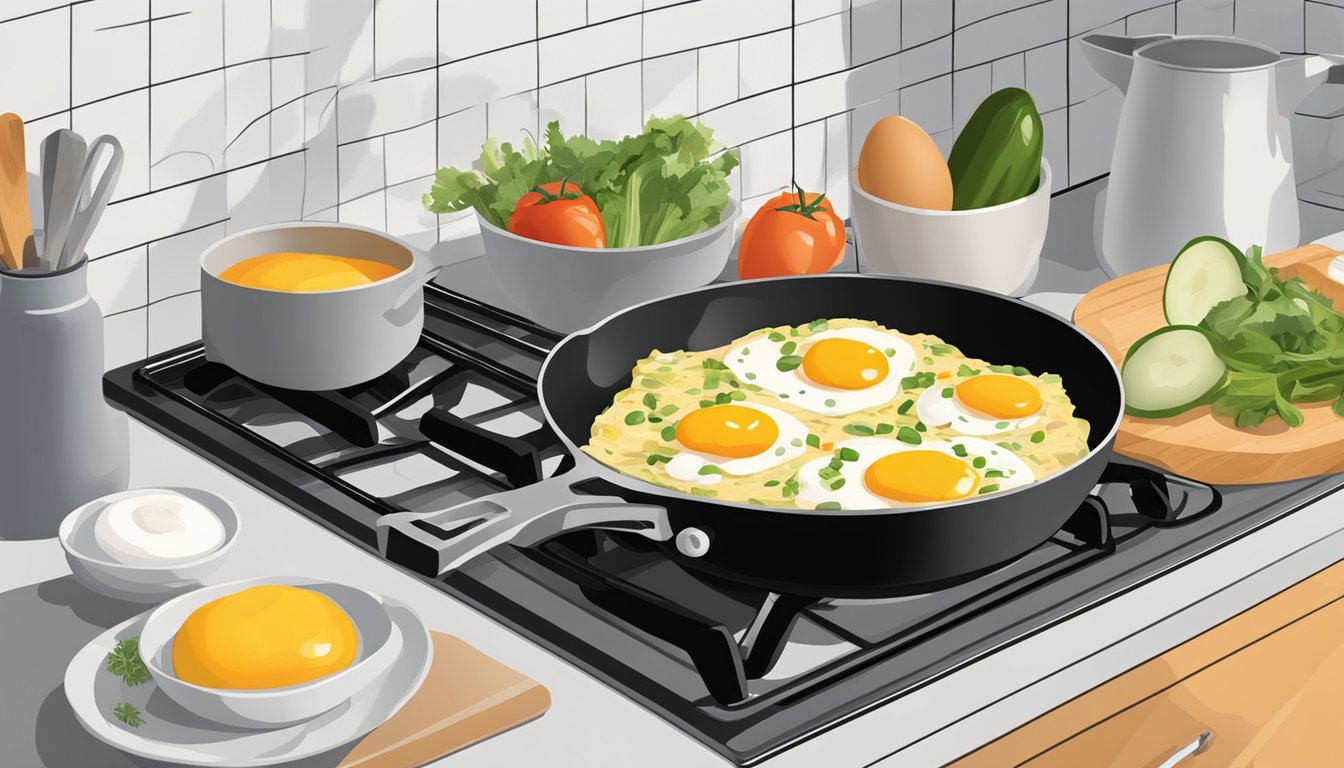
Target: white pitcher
x,y
1204,145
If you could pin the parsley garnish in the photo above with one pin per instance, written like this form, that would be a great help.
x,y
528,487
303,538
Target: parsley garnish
x,y
124,661
128,714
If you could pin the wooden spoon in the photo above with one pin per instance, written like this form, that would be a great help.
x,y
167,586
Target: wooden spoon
x,y
16,224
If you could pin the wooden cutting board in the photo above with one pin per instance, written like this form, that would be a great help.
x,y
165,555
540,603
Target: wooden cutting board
x,y
466,697
1198,444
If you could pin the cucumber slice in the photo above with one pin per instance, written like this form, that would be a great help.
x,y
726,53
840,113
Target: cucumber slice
x,y
1171,370
1206,272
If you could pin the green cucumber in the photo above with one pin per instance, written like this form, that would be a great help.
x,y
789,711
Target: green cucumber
x,y
1205,273
1170,371
997,156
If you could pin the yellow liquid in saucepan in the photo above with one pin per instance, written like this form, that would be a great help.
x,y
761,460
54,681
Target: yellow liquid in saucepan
x,y
305,272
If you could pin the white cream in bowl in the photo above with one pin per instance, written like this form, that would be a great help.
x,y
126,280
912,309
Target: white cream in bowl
x,y
157,528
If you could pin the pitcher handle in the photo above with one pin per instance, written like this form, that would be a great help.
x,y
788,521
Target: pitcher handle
x,y
1298,76
1112,56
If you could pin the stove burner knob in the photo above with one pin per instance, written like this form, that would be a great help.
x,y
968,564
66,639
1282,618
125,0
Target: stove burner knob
x,y
692,542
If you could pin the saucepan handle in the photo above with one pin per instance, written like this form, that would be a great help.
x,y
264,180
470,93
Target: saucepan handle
x,y
423,269
434,543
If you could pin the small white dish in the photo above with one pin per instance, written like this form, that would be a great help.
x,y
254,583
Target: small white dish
x,y
996,248
175,735
380,644
97,571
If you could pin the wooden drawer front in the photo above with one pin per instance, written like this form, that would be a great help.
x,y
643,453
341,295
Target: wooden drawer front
x,y
1277,702
1267,673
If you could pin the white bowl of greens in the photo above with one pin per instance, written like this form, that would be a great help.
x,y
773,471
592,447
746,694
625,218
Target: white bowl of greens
x,y
664,201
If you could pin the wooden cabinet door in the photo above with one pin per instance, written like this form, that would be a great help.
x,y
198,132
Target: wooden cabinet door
x,y
1268,683
1278,703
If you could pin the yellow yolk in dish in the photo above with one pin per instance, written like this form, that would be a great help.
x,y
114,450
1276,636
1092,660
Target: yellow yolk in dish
x,y
305,272
267,636
844,364
729,430
999,395
921,477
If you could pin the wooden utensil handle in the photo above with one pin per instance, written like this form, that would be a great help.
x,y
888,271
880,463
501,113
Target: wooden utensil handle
x,y
16,226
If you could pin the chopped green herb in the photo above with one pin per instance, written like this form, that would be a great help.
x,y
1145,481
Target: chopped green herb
x,y
650,382
1050,378
780,451
650,401
1000,425
1020,371
927,360
849,454
858,429
757,502
710,469
941,349
750,375
919,380
737,395
994,473
978,462
959,449
836,463
826,473
124,661
813,440
948,392
128,714
706,403
889,352
966,370
788,362
818,325
634,417
771,483
788,348
919,426
830,403
654,458
885,429
746,351
723,398
712,379
1001,368
669,433
908,435
655,419
828,505
712,364
1037,437
776,336
836,484
693,391
905,406
992,487
668,410
697,491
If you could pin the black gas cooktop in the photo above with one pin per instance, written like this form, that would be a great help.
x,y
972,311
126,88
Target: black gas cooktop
x,y
746,672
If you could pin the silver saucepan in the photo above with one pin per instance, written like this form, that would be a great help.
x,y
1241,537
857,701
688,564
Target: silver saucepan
x,y
313,340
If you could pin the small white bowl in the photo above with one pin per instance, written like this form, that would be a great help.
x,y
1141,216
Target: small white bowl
x,y
566,288
96,571
996,248
380,644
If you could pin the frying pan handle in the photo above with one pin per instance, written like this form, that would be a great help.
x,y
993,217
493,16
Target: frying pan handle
x,y
434,543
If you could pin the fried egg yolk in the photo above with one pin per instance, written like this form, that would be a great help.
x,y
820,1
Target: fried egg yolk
x,y
735,431
922,477
268,636
999,395
844,364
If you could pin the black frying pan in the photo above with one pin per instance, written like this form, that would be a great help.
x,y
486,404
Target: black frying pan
x,y
849,553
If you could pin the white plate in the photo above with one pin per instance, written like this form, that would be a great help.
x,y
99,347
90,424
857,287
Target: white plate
x,y
172,734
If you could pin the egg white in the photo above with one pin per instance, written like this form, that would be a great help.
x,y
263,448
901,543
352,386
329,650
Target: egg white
x,y
937,410
754,363
157,529
790,443
855,495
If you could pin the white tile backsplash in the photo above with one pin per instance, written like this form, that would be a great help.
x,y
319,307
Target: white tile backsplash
x,y
270,110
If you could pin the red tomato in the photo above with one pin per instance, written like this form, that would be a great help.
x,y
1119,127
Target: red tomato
x,y
559,213
793,234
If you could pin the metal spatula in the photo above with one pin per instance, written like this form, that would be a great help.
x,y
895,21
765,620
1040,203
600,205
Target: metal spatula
x,y
63,156
99,191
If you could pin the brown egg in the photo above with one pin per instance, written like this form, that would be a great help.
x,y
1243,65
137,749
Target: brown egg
x,y
900,164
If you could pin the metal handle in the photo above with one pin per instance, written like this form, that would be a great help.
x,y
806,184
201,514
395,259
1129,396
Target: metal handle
x,y
434,543
425,268
1195,747
88,212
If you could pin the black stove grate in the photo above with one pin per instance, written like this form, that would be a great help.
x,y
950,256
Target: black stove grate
x,y
746,672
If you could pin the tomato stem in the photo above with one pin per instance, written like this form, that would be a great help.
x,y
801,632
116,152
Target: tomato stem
x,y
548,197
803,207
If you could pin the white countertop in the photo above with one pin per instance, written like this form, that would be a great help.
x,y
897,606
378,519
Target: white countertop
x,y
46,617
